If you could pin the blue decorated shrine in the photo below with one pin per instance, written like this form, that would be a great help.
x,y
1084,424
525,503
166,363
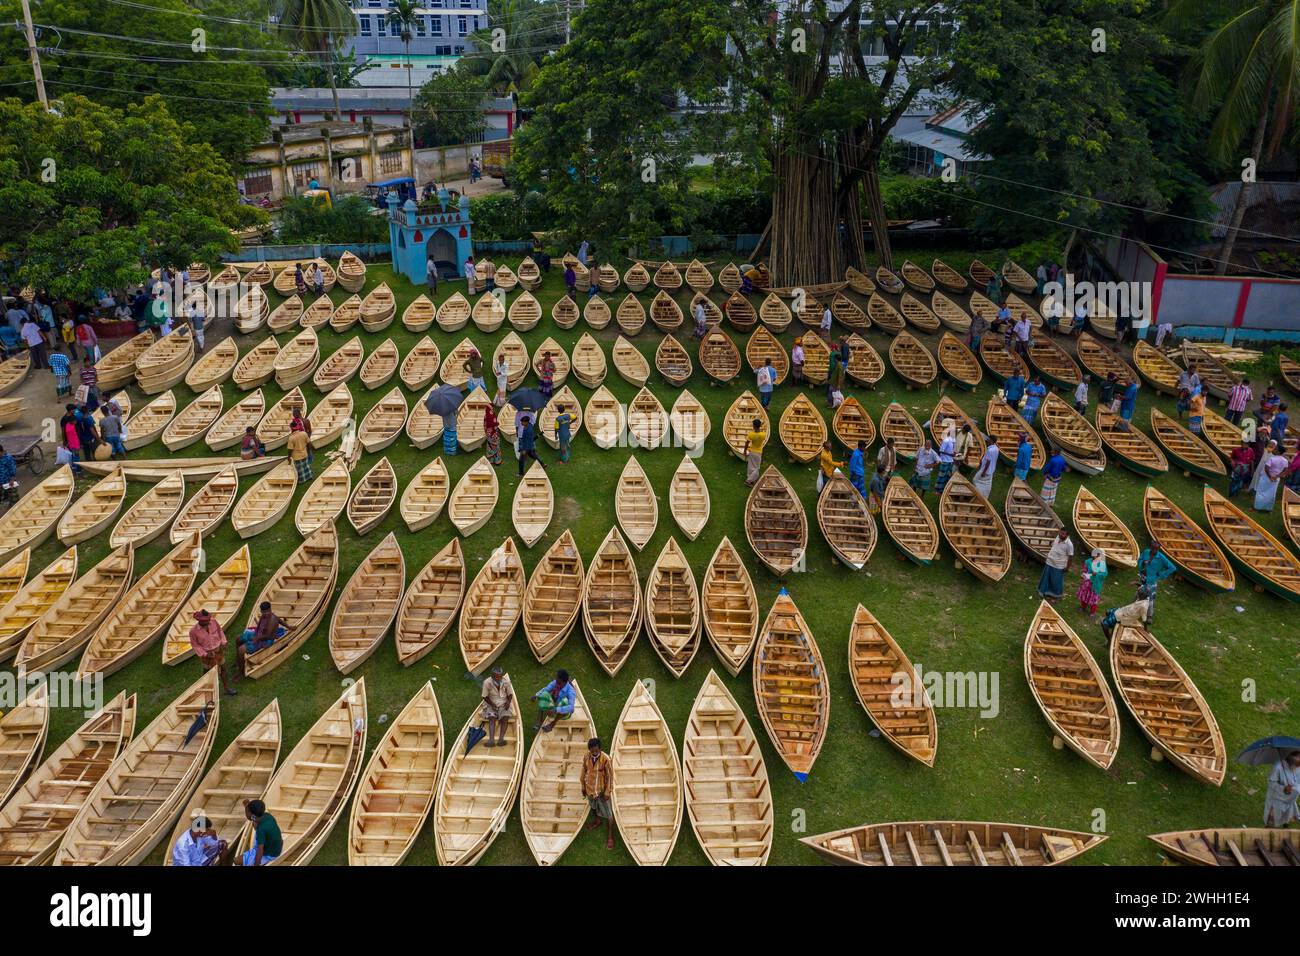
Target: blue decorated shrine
x,y
439,228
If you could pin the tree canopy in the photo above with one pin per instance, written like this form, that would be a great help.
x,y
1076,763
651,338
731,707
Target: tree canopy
x,y
445,113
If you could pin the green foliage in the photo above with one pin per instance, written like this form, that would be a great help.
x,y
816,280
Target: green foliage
x,y
506,216
305,72
128,190
446,112
915,197
509,61
351,219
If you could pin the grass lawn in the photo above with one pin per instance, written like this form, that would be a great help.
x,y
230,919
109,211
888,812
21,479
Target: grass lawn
x,y
988,768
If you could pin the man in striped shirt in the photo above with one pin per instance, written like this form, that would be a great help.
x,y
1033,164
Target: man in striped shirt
x,y
1238,399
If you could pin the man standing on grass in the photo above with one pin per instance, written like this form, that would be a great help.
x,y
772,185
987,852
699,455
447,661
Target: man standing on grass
x,y
754,443
1238,398
598,787
926,461
766,378
1051,586
298,442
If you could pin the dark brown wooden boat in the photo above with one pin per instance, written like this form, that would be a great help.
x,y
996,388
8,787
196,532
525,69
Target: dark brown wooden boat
x,y
775,523
897,423
845,522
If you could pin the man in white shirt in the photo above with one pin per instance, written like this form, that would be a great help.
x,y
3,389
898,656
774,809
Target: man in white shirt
x,y
826,322
199,845
701,321
35,339
1022,330
1081,396
1051,586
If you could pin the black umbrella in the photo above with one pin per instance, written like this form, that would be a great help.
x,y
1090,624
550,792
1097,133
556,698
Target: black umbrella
x,y
528,398
200,721
1269,750
443,400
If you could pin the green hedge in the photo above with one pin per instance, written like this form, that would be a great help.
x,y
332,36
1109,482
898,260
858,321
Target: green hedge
x,y
351,219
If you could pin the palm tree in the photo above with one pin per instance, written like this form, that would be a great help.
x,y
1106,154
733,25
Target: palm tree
x,y
403,14
529,28
318,26
1246,74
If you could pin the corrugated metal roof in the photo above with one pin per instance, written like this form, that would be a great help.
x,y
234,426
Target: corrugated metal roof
x,y
944,143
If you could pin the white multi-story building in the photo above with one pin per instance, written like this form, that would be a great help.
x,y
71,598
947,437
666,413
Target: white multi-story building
x,y
440,38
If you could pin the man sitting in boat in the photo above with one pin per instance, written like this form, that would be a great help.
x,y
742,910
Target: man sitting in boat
x,y
199,845
498,696
556,701
268,842
267,631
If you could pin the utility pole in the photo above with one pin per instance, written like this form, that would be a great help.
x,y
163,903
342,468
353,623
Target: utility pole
x,y
566,19
36,58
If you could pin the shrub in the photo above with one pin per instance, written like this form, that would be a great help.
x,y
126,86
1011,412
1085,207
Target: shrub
x,y
351,219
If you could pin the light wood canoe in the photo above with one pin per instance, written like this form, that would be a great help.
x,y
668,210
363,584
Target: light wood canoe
x,y
848,313
952,315
1006,426
1067,429
672,609
132,805
859,281
286,315
397,788
287,279
1223,436
430,604
667,276
557,355
476,791
552,808
331,416
318,314
418,316
908,522
698,276
1099,527
35,818
274,428
884,316
251,310
673,362
630,315
1217,378
889,280
948,277
1186,450
511,348
565,313
260,275
296,362
222,595
1252,549
380,365
471,432
13,371
740,312
213,367
504,278
12,575
525,312
229,429
553,598
1053,363
876,662
611,603
367,606
845,522
152,513
25,606
308,792
165,363
1156,369
791,688
774,313
1291,515
802,429
896,422
635,504
373,497
690,421
688,498
116,369
204,512
1068,686
90,514
22,739
488,313
346,314
242,772
1000,362
605,418
739,420
589,366
299,592
1232,846
425,495
852,424
1100,359
1167,705
151,421
143,614
266,502
379,308
533,505
453,314
918,314
31,521
384,422
1288,367
948,418
474,498
647,422
973,530
951,843
1133,448
492,607
719,357
1186,544
763,347
647,795
636,277
423,428
630,364
193,422
817,359
257,365
1031,519
958,362
1018,278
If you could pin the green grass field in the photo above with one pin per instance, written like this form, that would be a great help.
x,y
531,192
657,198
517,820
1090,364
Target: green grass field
x,y
988,768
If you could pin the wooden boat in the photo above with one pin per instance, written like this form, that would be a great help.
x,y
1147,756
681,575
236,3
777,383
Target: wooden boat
x,y
419,315
802,429
845,522
380,365
1185,449
897,423
396,792
384,422
116,369
373,497
589,361
552,808
1053,363
980,274
667,276
565,399
528,274
351,272
775,523
953,316
1066,428
22,739
817,359
848,313
251,311
916,277
884,316
907,721
89,515
810,313
474,498
859,281
226,278
865,367
672,609
274,428
11,409
852,424
1018,278
367,606
151,421
719,357
611,603
213,367
533,505
12,575
14,371
889,280
193,422
673,362
948,277
346,314
958,362
557,355
1031,519
476,791
204,512
229,429
1231,846
1217,378
762,348
151,514
605,418
504,278
69,610
470,430
331,416
1156,369
637,277
1221,435
630,363
1259,555
1068,686
647,795
729,277
973,530
630,316
740,312
425,495
739,420
1129,445
222,594
31,521
774,313
512,350
37,814
319,313
606,278
1006,426
165,363
299,591
698,276
948,418
25,605
1100,360
453,314
565,313
647,422
1167,705
1187,545
430,604
1098,526
1288,368
791,688
257,364
635,504
918,314
286,315
909,523
153,470
259,275
553,598
597,315
242,772
132,804
688,498
1000,362
912,361
951,843
730,607
307,794
453,371
1291,515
